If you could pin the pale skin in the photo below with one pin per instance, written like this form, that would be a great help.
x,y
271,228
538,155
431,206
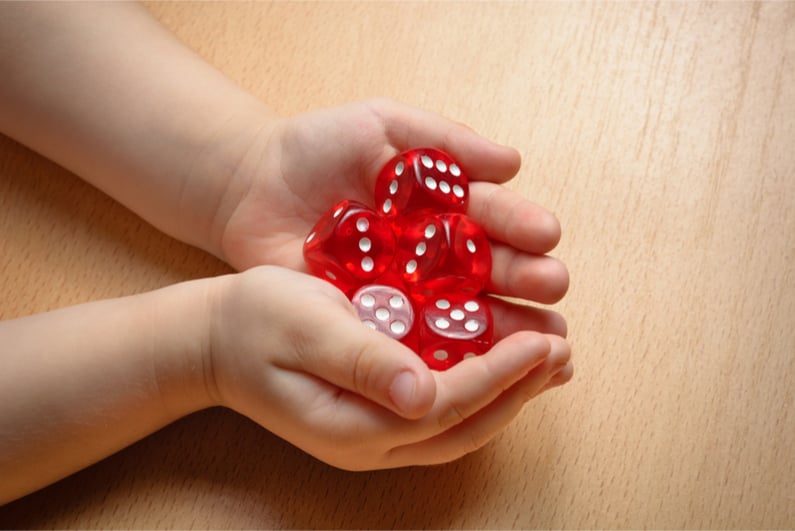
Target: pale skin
x,y
108,93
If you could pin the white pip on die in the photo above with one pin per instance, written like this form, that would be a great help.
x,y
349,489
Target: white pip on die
x,y
385,309
454,327
420,179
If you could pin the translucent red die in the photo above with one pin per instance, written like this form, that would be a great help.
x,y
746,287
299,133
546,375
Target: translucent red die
x,y
386,309
442,253
351,245
420,179
453,327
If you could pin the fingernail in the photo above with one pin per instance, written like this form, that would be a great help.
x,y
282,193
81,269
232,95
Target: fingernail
x,y
402,390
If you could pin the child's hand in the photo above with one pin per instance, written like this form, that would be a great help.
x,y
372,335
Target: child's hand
x,y
288,351
301,166
285,349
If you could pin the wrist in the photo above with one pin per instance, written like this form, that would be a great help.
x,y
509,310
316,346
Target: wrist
x,y
222,175
215,183
179,324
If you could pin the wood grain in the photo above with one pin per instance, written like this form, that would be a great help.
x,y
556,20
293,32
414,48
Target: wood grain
x,y
662,136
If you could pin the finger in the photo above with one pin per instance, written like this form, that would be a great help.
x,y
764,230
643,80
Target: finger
x,y
510,218
407,127
559,356
315,414
542,279
460,392
385,371
370,364
510,317
562,377
464,389
478,429
558,363
472,384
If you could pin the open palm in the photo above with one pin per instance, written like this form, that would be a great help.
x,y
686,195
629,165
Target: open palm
x,y
305,164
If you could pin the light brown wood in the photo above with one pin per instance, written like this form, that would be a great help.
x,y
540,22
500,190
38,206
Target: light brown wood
x,y
662,135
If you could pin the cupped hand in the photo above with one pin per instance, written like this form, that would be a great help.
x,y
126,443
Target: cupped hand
x,y
298,168
288,351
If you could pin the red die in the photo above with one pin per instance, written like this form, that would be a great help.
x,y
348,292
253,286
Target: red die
x,y
419,179
453,327
350,246
388,310
442,253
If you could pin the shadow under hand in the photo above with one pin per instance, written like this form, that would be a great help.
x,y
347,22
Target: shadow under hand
x,y
216,469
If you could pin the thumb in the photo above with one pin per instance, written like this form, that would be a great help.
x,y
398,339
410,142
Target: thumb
x,y
375,366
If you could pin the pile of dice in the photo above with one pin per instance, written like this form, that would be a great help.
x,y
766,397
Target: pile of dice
x,y
415,267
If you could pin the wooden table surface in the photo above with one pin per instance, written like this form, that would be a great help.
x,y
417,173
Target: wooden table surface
x,y
663,137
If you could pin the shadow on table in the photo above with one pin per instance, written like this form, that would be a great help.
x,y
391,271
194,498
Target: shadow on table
x,y
216,469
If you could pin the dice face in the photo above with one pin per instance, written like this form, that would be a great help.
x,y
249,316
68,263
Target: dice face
x,y
442,253
454,327
350,246
421,179
386,309
421,246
